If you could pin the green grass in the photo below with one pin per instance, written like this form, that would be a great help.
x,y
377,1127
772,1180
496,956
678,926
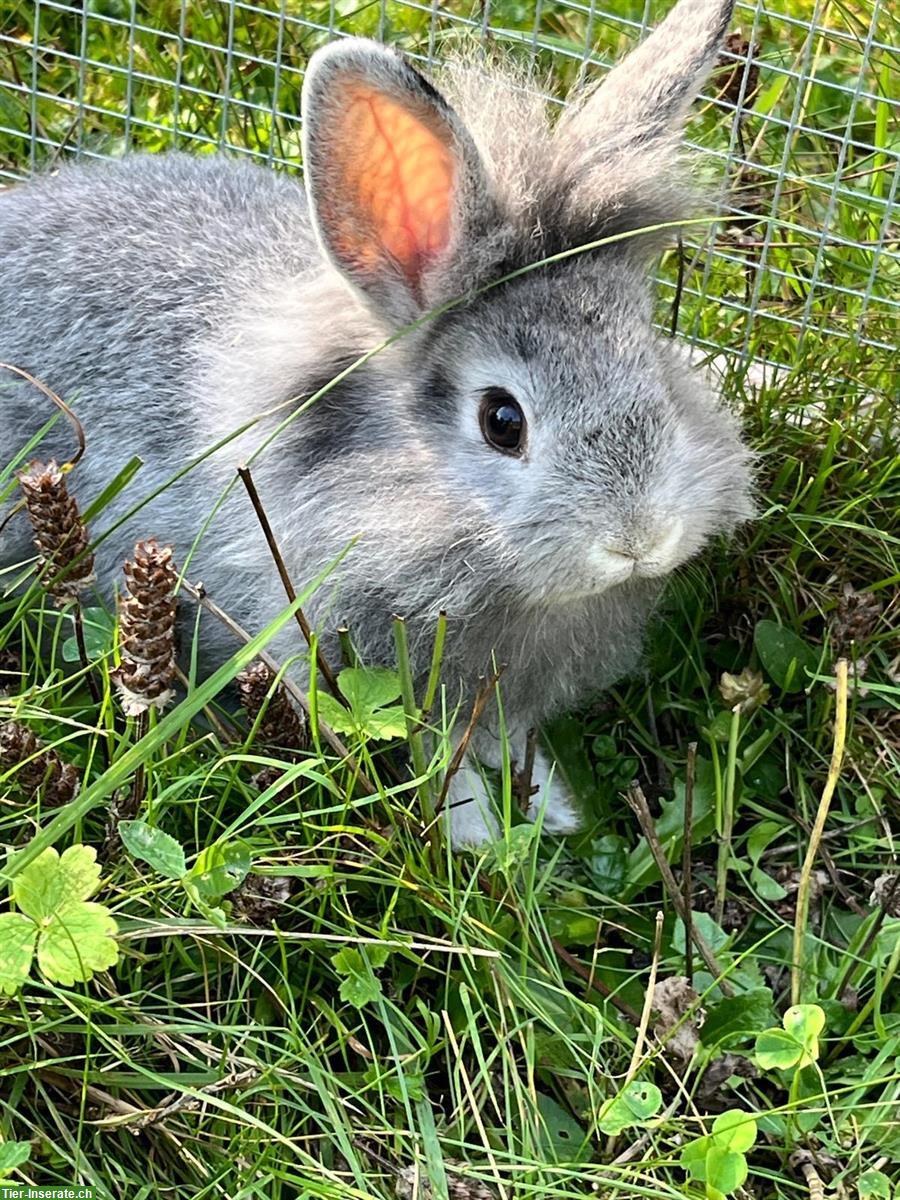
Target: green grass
x,y
409,1019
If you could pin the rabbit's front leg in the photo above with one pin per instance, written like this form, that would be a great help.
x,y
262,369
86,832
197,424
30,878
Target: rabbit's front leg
x,y
550,795
471,816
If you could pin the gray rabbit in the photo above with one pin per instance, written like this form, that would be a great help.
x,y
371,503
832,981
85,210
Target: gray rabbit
x,y
534,460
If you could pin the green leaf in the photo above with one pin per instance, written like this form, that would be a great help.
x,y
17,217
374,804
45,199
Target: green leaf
x,y
693,1157
368,688
564,738
77,941
220,868
12,1155
359,986
713,934
53,881
333,713
726,1170
153,846
17,937
873,1185
777,1050
804,1022
642,868
386,723
765,886
609,863
761,837
562,1139
785,657
99,627
736,1017
733,1130
510,852
635,1104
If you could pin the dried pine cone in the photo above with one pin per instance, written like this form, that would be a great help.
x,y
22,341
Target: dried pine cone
x,y
737,46
147,630
37,768
281,724
260,898
856,617
59,532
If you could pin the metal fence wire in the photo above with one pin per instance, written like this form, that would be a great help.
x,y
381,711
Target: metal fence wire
x,y
801,117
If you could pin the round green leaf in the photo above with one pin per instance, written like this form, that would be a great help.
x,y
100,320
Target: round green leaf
x,y
777,1050
726,1170
804,1022
693,1157
562,1138
734,1130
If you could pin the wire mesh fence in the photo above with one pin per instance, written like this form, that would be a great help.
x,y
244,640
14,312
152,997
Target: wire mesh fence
x,y
801,119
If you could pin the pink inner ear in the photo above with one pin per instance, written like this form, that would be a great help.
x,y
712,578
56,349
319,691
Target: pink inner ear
x,y
400,174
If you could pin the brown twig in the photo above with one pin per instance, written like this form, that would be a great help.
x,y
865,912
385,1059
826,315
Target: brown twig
x,y
287,583
481,699
523,788
686,861
197,592
637,801
592,981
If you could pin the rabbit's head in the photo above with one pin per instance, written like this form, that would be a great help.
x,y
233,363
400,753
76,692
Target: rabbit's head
x,y
575,433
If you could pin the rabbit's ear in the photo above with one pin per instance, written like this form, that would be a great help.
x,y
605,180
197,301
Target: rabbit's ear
x,y
641,105
392,175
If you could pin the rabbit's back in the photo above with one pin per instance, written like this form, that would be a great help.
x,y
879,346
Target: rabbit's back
x,y
113,277
110,274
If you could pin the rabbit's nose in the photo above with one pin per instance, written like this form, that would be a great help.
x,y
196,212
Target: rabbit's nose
x,y
657,552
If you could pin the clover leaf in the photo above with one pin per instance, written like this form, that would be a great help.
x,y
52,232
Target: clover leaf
x,y
797,1044
72,936
719,1158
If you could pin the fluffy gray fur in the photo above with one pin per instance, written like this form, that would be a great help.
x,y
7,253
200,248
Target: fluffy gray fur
x,y
171,299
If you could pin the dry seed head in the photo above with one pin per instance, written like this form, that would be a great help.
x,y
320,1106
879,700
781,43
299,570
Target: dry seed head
x,y
146,675
281,724
855,619
37,768
59,532
260,899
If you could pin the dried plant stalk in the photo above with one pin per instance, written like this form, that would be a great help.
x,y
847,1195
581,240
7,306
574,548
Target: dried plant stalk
x,y
67,565
281,724
146,675
38,768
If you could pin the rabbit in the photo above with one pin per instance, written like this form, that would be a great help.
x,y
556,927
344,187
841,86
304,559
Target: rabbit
x,y
531,458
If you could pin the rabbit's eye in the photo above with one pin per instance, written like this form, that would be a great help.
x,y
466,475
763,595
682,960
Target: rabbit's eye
x,y
502,421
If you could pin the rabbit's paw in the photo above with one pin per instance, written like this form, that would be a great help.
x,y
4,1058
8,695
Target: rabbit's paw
x,y
470,818
560,813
